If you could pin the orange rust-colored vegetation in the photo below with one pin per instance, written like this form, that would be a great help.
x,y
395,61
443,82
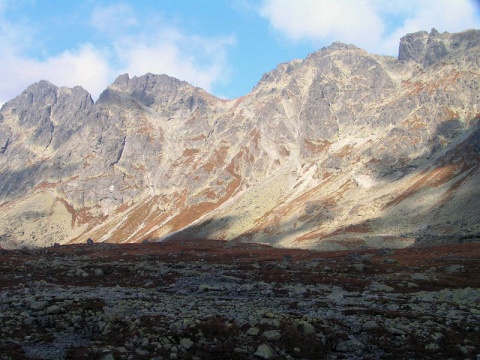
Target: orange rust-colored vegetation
x,y
318,147
217,159
344,151
81,216
427,179
415,123
189,214
130,229
361,228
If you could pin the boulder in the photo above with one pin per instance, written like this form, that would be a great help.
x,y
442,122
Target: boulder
x,y
264,351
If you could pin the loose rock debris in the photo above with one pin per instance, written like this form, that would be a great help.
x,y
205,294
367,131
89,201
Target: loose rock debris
x,y
203,299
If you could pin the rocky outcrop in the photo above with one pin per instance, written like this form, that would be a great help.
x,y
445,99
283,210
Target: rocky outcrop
x,y
5,135
428,48
342,149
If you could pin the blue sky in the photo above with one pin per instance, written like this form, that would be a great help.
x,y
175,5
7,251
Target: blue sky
x,y
219,45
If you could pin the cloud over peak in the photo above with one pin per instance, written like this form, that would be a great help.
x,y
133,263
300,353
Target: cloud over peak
x,y
125,41
370,24
223,47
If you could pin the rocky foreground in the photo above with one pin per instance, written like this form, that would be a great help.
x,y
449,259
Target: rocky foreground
x,y
217,300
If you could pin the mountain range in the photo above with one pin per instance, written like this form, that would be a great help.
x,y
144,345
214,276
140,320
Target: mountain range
x,y
341,150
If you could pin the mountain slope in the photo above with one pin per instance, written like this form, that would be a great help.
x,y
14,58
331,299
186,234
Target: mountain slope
x,y
342,149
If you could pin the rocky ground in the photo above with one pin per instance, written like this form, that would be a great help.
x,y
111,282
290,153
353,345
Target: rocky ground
x,y
218,300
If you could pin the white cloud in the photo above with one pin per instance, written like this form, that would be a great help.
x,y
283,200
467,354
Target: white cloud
x,y
350,21
134,44
85,66
202,62
159,48
374,25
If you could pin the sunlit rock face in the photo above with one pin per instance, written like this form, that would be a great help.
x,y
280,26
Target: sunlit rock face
x,y
343,149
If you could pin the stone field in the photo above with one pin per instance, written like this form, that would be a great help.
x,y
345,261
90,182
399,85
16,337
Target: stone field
x,y
204,299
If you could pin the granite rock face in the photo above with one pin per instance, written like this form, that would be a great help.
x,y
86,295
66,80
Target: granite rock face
x,y
428,48
343,149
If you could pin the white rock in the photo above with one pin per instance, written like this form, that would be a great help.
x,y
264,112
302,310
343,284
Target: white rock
x,y
186,343
99,272
376,286
272,335
306,328
419,277
264,351
253,331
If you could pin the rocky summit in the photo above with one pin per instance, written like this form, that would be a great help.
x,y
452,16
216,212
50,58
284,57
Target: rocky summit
x,y
341,150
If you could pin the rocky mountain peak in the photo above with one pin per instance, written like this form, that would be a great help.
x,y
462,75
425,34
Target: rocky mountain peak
x,y
343,149
339,46
148,82
42,93
427,48
148,89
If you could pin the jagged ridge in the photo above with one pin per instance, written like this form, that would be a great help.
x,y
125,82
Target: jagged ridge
x,y
341,149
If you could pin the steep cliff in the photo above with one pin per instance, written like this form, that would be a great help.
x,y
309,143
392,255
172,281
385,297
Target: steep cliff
x,y
341,149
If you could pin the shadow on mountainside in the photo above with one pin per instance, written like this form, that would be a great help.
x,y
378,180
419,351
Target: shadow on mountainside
x,y
277,234
455,215
17,183
451,159
450,175
207,229
213,229
391,159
